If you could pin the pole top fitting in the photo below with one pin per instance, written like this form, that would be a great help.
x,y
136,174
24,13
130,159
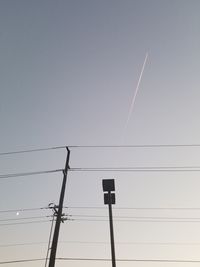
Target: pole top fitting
x,y
67,149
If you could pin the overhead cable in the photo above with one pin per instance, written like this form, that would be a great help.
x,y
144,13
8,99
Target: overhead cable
x,y
13,175
21,210
104,260
138,221
31,150
98,146
24,218
136,217
136,169
104,243
23,174
20,223
132,260
103,208
21,261
133,208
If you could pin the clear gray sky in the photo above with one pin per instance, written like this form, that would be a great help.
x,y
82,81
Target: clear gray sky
x,y
69,70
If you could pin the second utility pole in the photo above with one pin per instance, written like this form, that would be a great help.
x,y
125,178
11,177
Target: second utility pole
x,y
59,214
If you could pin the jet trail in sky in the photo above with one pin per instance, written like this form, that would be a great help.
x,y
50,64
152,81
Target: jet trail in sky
x,y
136,91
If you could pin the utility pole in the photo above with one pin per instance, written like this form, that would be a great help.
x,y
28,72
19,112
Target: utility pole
x,y
59,213
109,198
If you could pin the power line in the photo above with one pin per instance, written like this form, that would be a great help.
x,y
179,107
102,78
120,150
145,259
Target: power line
x,y
123,169
21,210
98,146
20,261
13,175
133,208
31,150
103,208
22,244
20,223
143,169
79,217
136,169
132,260
136,217
137,243
135,146
117,219
136,221
105,243
24,218
104,260
139,167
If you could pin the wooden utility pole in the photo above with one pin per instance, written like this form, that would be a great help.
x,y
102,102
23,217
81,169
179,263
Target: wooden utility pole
x,y
59,214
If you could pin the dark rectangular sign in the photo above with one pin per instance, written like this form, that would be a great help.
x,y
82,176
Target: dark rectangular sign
x,y
108,199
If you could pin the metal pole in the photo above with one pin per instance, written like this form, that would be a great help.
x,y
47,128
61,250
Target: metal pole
x,y
59,214
111,230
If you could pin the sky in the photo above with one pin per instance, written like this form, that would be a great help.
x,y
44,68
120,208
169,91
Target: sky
x,y
68,74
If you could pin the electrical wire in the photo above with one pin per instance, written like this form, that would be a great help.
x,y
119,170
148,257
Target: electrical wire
x,y
136,217
13,175
98,146
22,244
132,208
21,210
135,146
24,218
136,221
103,208
21,223
104,259
131,260
125,169
139,167
135,243
136,169
79,217
105,243
31,150
21,261
129,169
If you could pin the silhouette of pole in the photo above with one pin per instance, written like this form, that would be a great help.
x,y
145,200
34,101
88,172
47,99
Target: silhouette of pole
x,y
111,230
59,214
109,199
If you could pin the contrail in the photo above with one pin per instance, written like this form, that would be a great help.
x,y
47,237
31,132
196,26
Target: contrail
x,y
136,91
